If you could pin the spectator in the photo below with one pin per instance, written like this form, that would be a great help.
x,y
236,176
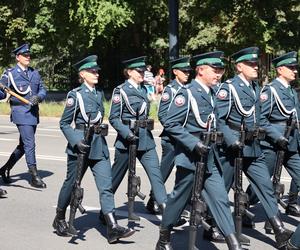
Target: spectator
x,y
159,81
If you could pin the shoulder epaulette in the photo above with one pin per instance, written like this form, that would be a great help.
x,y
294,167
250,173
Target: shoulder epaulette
x,y
76,89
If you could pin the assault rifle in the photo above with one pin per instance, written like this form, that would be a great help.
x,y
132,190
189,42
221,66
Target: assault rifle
x,y
198,206
77,191
241,199
279,187
134,182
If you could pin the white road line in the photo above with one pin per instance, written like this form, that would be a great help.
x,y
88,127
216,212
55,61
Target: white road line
x,y
5,139
42,157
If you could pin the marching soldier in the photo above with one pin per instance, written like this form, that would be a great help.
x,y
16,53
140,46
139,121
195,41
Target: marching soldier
x,y
185,122
85,104
130,103
279,102
26,82
181,70
238,104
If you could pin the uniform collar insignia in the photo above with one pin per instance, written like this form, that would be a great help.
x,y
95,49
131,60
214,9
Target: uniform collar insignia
x,y
130,86
19,70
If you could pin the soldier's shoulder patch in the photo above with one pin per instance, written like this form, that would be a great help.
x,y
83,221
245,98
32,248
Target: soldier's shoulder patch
x,y
70,102
264,97
116,98
165,97
222,94
179,100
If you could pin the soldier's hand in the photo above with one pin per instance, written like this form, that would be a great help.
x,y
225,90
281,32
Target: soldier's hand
x,y
236,146
82,147
200,149
34,100
282,143
132,138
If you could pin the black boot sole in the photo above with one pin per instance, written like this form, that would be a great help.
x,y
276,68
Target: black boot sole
x,y
126,235
66,234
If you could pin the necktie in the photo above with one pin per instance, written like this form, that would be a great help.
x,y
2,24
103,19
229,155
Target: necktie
x,y
26,72
94,91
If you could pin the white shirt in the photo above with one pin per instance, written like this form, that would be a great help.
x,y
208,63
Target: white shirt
x,y
244,80
134,84
89,87
283,82
206,88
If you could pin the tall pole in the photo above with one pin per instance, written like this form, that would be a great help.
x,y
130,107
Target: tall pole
x,y
173,29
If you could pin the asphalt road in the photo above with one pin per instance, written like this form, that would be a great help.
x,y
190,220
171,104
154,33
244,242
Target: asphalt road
x,y
26,214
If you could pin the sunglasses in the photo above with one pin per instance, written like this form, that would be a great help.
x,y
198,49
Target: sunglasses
x,y
141,71
293,68
93,71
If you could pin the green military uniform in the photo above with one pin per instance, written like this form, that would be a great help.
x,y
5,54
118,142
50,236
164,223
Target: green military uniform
x,y
130,103
186,121
238,103
85,105
167,142
279,101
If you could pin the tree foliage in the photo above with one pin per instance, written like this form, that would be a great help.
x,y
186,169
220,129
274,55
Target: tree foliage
x,y
62,32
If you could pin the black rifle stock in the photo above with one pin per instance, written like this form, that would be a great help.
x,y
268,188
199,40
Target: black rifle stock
x,y
279,187
77,191
241,199
134,182
198,206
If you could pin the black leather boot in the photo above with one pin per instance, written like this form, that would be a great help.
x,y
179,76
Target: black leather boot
x,y
60,224
214,235
290,246
232,242
152,206
164,242
36,180
293,208
268,227
5,174
115,231
2,192
282,234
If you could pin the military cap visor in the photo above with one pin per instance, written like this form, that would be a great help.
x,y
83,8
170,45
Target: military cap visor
x,y
213,59
137,63
288,59
89,62
23,49
250,54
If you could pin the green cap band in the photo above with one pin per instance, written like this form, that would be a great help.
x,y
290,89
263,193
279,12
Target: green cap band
x,y
247,57
286,61
209,61
136,65
180,65
88,65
